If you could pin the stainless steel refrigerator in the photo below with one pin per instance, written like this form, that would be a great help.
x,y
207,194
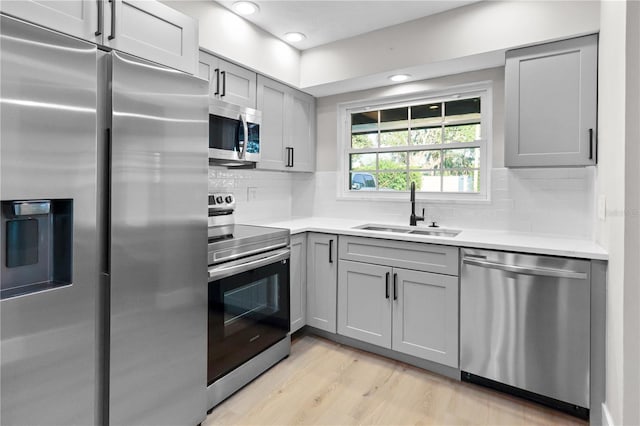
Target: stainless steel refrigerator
x,y
103,185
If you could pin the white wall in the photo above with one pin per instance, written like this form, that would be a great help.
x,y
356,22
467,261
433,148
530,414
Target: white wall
x,y
631,400
610,183
618,186
559,201
261,196
545,201
476,29
225,34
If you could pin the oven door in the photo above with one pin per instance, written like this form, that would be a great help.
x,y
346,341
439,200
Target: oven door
x,y
248,309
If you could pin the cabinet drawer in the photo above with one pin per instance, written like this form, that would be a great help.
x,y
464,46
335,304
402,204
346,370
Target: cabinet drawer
x,y
409,255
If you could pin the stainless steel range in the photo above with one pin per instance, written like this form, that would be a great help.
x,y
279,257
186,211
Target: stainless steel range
x,y
248,300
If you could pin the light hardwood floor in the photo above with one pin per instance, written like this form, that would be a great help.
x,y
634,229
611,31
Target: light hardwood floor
x,y
323,383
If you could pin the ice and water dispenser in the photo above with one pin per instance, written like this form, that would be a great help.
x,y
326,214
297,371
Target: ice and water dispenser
x,y
37,246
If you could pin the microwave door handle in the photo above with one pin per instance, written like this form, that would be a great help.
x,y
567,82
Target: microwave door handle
x,y
242,144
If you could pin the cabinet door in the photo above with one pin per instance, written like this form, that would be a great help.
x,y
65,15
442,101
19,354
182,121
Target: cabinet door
x,y
298,278
425,316
322,276
78,18
206,64
237,85
364,302
272,101
551,104
153,31
303,131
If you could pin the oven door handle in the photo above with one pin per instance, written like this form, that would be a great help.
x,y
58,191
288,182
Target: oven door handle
x,y
243,265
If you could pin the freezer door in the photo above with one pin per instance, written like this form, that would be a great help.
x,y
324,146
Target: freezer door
x,y
159,169
525,322
48,86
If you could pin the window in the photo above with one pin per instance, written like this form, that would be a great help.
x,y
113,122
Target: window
x,y
438,143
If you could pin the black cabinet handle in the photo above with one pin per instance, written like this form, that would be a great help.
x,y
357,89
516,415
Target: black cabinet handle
x,y
217,71
292,158
590,144
224,83
113,19
99,30
289,156
386,294
330,251
395,286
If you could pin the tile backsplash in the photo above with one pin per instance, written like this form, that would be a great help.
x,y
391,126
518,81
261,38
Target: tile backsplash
x,y
551,201
261,196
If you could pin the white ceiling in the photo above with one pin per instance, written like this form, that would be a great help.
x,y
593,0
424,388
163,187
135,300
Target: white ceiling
x,y
330,20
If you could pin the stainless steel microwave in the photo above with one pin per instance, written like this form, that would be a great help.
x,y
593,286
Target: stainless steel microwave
x,y
234,134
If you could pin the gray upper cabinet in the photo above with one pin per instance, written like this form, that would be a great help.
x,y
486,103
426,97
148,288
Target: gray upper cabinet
x,y
303,132
78,18
143,28
551,104
322,276
228,82
298,280
153,31
288,127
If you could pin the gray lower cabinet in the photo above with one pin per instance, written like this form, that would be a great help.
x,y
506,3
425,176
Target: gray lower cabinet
x,y
365,302
425,316
400,295
412,312
551,104
298,279
322,277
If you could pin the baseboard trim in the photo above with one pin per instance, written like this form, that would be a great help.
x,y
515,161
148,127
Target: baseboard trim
x,y
434,367
606,416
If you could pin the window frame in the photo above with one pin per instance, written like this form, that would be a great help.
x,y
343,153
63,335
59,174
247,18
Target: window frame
x,y
483,90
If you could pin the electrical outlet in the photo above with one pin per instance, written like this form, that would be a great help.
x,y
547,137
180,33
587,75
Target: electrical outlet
x,y
602,207
252,193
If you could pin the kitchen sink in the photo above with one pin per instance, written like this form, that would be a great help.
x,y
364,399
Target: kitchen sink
x,y
434,232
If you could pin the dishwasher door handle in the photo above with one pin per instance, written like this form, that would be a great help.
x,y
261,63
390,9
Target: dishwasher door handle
x,y
526,270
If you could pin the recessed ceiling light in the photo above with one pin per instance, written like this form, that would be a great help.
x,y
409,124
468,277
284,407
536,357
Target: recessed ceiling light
x,y
245,7
294,37
399,77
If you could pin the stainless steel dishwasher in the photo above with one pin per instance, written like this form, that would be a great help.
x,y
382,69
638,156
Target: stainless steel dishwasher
x,y
525,326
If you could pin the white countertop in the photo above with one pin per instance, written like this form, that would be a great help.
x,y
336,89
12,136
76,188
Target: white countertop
x,y
554,245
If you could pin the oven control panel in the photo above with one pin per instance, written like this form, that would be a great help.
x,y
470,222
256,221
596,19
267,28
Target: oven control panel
x,y
222,201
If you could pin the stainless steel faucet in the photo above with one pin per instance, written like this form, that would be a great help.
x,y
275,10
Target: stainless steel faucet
x,y
413,219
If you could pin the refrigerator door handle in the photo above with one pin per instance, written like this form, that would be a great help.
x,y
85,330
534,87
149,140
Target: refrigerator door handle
x,y
106,250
